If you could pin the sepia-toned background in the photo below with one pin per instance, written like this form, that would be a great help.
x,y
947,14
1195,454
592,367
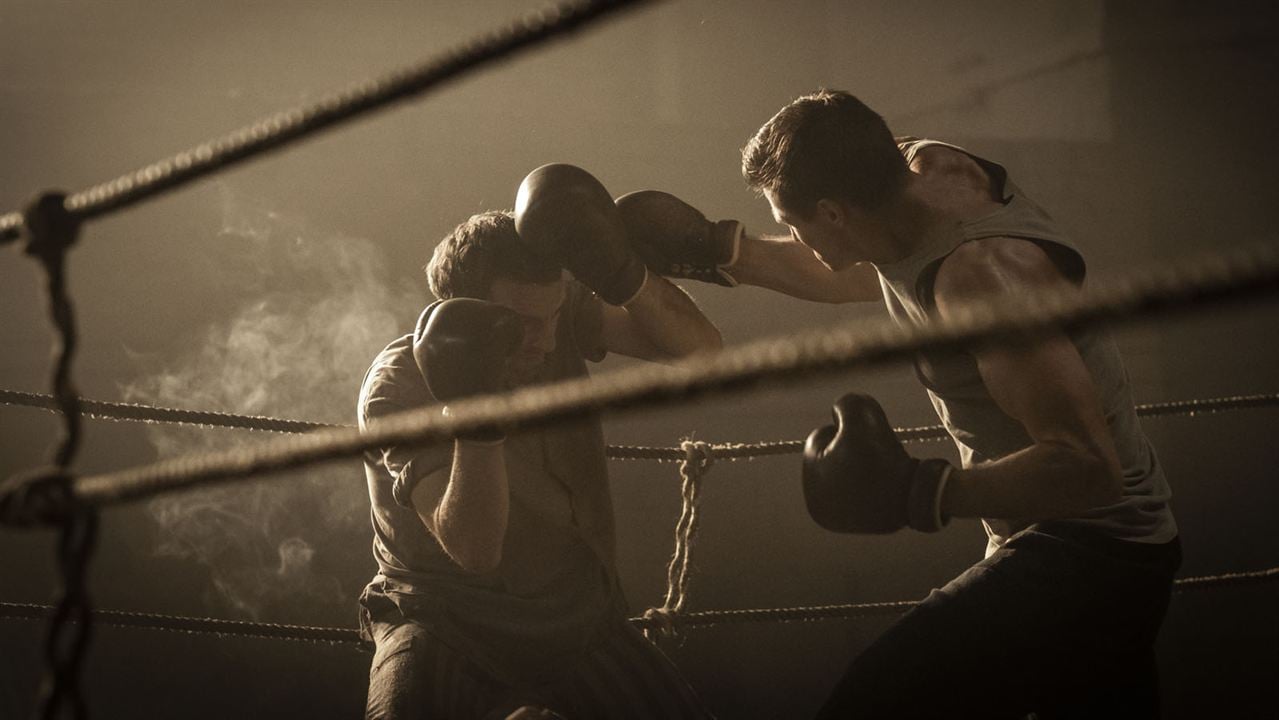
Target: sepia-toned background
x,y
1146,129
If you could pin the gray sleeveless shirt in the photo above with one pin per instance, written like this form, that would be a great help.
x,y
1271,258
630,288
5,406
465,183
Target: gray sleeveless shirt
x,y
979,428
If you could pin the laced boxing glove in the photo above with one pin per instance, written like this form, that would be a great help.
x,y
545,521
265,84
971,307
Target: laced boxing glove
x,y
676,240
858,478
564,214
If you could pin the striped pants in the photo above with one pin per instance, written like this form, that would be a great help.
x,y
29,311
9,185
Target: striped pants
x,y
414,676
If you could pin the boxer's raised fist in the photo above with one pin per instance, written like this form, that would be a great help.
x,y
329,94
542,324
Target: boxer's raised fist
x,y
564,214
676,240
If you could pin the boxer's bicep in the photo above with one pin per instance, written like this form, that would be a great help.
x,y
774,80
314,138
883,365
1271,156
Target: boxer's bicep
x,y
1040,380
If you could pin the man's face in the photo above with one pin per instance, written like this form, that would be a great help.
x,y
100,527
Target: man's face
x,y
818,233
538,305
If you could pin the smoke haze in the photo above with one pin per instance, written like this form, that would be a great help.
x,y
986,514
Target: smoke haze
x,y
315,308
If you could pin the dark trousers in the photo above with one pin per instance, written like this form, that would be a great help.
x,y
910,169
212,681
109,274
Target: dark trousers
x,y
1060,621
414,676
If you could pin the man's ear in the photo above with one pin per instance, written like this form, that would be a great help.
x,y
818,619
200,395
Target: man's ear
x,y
831,212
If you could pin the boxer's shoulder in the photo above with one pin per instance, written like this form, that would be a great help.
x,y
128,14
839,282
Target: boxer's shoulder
x,y
955,182
952,167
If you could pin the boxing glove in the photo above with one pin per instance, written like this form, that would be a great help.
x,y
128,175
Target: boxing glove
x,y
564,214
462,347
858,478
676,240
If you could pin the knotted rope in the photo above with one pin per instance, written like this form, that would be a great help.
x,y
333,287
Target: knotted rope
x,y
46,495
698,458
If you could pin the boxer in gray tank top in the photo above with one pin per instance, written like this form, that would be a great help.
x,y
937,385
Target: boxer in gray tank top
x,y
1060,616
981,429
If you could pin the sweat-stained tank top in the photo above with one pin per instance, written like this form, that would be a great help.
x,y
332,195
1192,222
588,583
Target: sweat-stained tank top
x,y
979,428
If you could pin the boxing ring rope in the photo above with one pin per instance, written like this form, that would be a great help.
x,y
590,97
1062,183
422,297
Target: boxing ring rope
x,y
697,619
56,496
151,414
287,127
53,221
1178,286
695,460
1235,275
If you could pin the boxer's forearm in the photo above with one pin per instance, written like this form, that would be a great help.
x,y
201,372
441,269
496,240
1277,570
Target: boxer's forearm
x,y
781,264
470,519
1042,482
669,319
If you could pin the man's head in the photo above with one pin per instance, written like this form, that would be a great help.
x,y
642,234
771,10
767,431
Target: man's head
x,y
824,153
483,258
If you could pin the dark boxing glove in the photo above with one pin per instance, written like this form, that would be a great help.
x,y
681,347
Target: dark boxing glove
x,y
676,240
462,347
563,213
859,479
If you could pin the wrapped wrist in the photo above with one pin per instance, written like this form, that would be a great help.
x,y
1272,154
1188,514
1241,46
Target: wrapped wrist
x,y
727,246
620,288
731,232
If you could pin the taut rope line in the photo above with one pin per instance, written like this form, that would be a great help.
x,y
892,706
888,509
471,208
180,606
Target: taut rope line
x,y
699,619
284,128
1235,275
131,412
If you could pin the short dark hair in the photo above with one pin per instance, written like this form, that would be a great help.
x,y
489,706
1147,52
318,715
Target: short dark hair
x,y
825,145
483,248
